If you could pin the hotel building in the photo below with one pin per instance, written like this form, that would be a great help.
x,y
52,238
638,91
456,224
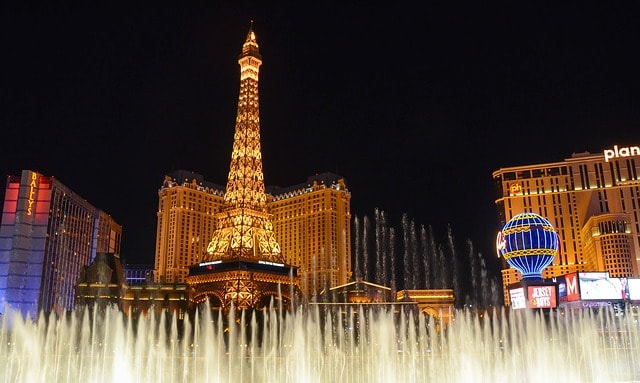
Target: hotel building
x,y
48,234
311,220
593,202
187,205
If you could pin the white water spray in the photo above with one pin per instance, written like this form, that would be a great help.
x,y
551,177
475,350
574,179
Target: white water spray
x,y
311,346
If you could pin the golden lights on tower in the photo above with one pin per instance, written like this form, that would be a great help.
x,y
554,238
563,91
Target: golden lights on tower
x,y
244,227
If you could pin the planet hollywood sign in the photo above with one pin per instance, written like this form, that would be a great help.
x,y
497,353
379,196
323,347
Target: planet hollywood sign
x,y
617,152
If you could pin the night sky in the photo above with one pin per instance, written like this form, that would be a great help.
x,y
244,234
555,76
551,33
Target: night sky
x,y
415,104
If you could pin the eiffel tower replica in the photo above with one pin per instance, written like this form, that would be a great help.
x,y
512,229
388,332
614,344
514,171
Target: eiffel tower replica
x,y
244,267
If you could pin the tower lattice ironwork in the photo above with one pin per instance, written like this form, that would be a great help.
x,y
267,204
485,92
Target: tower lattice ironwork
x,y
244,227
244,267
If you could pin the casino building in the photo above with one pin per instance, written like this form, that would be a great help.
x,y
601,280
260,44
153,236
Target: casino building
x,y
311,219
592,201
48,235
187,205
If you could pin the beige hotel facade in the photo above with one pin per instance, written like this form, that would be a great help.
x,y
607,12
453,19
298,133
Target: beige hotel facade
x,y
593,202
311,221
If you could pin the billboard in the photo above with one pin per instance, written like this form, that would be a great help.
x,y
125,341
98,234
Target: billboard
x,y
573,288
541,297
598,286
568,288
518,300
633,284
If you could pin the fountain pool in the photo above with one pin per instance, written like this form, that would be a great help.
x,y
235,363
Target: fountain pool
x,y
309,346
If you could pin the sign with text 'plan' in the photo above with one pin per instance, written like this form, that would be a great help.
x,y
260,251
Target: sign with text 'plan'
x,y
617,152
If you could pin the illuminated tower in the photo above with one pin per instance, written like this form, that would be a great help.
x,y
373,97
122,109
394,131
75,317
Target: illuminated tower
x,y
244,265
244,226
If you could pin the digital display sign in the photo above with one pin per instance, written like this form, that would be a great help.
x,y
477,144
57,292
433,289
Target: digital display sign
x,y
598,286
518,300
633,284
541,297
568,288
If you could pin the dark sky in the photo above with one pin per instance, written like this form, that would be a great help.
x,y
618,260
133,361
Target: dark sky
x,y
415,104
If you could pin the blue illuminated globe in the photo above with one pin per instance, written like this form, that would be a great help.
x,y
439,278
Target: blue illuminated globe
x,y
528,242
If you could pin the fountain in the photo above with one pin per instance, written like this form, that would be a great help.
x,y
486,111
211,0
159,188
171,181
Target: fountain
x,y
311,345
419,261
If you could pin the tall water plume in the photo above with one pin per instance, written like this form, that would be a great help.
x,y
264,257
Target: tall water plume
x,y
407,252
452,273
474,267
366,229
357,247
415,251
423,259
391,251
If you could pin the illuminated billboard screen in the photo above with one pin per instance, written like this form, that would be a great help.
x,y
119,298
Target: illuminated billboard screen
x,y
598,286
572,288
562,289
518,300
633,284
541,297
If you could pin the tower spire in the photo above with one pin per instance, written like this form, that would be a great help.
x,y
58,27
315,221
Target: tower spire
x,y
244,267
244,225
245,184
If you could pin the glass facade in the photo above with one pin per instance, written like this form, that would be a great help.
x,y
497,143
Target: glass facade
x,y
48,234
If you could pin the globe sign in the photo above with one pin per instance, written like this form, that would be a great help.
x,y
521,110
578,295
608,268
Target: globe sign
x,y
528,243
